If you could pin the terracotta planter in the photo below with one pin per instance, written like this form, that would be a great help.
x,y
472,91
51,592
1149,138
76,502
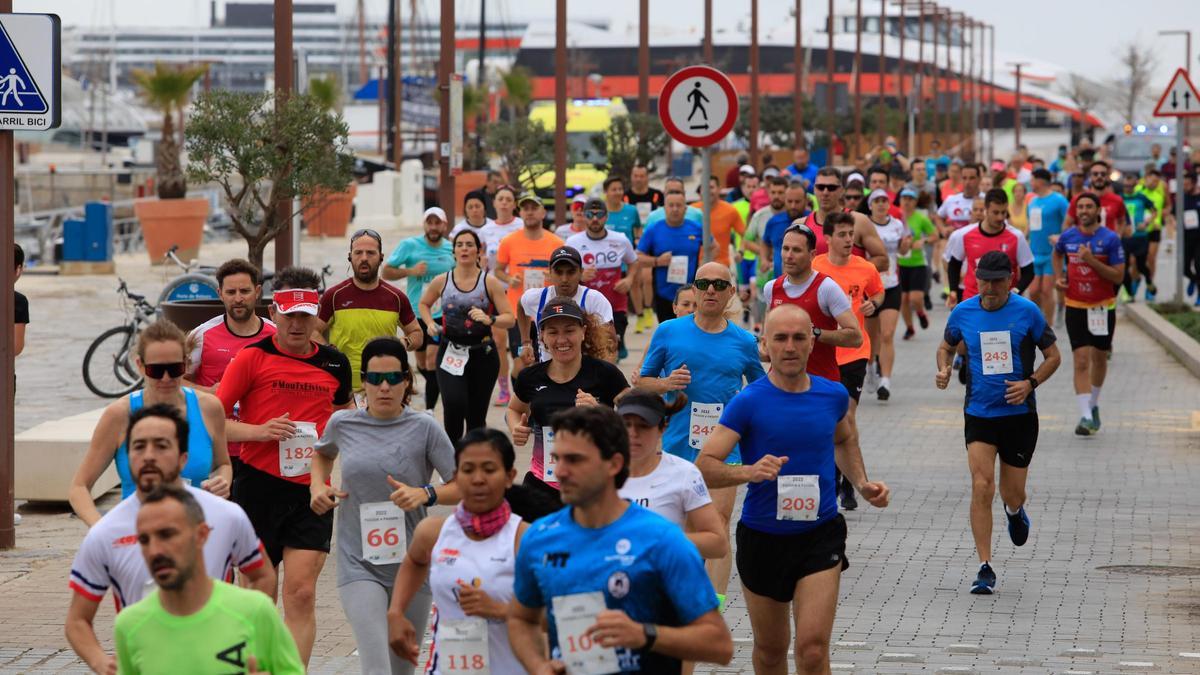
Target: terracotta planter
x,y
326,214
172,222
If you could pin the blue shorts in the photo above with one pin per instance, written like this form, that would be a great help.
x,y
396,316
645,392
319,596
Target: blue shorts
x,y
747,271
1042,267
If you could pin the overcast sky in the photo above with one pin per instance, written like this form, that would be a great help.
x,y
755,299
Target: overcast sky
x,y
1083,36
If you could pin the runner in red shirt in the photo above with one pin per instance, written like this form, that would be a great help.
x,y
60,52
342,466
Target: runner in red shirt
x,y
834,324
287,386
829,191
1112,208
214,343
993,233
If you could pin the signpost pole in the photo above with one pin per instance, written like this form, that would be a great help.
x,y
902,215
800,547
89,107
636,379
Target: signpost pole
x,y
1179,258
706,249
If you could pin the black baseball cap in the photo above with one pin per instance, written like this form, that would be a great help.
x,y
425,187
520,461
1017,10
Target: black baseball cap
x,y
649,407
1043,174
594,204
993,265
560,307
566,254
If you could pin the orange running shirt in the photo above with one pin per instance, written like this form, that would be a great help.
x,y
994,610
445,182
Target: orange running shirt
x,y
859,279
725,219
520,254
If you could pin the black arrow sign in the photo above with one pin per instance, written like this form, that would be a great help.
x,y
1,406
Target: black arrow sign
x,y
1187,100
1174,100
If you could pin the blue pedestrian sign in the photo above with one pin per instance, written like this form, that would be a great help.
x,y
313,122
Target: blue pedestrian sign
x,y
30,71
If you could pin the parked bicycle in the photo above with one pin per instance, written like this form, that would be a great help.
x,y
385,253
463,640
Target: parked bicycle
x,y
109,369
199,282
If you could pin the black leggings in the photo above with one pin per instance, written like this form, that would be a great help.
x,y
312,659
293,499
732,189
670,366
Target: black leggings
x,y
1137,249
664,310
466,397
1191,255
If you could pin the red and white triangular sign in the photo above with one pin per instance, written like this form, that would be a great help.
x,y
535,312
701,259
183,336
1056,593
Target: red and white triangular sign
x,y
1180,99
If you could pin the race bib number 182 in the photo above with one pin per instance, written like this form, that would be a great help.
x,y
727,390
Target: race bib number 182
x,y
295,453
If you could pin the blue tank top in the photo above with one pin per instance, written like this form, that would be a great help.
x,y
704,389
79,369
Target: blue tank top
x,y
200,455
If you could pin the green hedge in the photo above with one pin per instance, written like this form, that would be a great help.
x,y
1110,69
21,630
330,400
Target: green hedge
x,y
1182,316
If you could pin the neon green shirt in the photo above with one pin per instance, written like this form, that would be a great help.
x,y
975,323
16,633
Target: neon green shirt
x,y
234,624
1158,197
921,227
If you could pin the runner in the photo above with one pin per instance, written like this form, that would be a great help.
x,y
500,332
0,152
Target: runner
x,y
161,359
955,212
468,560
1112,207
1191,235
108,556
505,224
726,222
609,265
776,191
641,610
1154,189
622,217
566,269
672,249
967,245
578,219
667,485
1047,210
802,168
791,540
388,454
829,193
420,259
795,206
1135,240
861,283
474,308
365,307
287,387
226,626
474,214
647,200
523,260
576,375
215,342
706,358
882,319
914,268
833,319
999,330
1089,264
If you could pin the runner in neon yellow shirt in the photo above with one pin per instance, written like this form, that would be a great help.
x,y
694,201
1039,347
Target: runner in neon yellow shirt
x,y
193,624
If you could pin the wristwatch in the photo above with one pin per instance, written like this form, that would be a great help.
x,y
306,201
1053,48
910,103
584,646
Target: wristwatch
x,y
432,495
651,633
1032,382
816,333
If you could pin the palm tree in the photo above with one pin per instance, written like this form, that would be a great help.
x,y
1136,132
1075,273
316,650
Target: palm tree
x,y
518,90
325,91
166,88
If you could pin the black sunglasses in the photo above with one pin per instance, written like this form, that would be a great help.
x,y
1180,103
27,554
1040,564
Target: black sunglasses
x,y
827,187
595,215
366,232
155,371
392,377
719,284
852,197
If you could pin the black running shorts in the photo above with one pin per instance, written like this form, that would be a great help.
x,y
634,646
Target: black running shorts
x,y
853,375
279,510
1077,329
772,564
1013,436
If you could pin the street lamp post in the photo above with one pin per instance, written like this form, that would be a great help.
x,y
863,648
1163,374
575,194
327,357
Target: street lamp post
x,y
284,251
858,79
991,92
882,73
1017,106
644,56
829,92
754,92
445,70
798,70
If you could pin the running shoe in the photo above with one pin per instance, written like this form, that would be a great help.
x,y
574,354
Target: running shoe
x,y
1151,292
1096,417
622,352
1018,526
849,501
882,393
1085,427
504,396
871,385
909,333
1191,288
928,303
639,324
937,277
1123,295
923,319
985,582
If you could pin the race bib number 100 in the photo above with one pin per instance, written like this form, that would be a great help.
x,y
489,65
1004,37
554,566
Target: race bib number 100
x,y
295,453
573,615
996,350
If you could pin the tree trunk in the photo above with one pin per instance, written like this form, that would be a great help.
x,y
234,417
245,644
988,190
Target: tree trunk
x,y
171,181
256,248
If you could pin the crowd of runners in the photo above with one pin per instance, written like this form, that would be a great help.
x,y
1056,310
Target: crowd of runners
x,y
612,551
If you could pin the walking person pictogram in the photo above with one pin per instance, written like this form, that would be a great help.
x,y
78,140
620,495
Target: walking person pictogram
x,y
695,96
11,84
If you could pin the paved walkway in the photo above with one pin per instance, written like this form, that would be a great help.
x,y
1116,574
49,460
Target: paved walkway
x,y
1123,498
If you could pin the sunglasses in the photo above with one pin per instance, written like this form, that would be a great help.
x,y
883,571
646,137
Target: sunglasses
x,y
1100,174
595,215
155,371
718,284
392,377
852,198
367,232
827,187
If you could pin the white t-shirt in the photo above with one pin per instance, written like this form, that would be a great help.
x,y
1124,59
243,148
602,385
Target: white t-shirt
x,y
830,297
956,210
111,557
674,489
568,230
891,234
464,225
492,233
606,255
591,300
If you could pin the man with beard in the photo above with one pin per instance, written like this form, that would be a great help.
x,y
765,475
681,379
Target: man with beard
x,y
830,194
226,626
795,203
363,307
609,265
420,259
1112,208
109,556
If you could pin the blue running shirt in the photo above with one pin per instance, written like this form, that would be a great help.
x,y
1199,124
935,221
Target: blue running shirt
x,y
1045,216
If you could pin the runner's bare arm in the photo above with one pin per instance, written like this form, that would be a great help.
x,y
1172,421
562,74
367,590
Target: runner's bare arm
x,y
410,577
433,291
504,312
868,239
263,579
82,635
849,460
413,339
106,438
847,334
944,357
704,529
711,460
220,479
525,636
706,639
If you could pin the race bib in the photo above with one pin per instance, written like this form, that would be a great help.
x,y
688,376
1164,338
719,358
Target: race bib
x,y
573,615
1035,219
799,498
295,453
704,420
454,361
549,464
677,270
383,534
1097,320
996,348
644,210
534,278
462,646
1191,219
